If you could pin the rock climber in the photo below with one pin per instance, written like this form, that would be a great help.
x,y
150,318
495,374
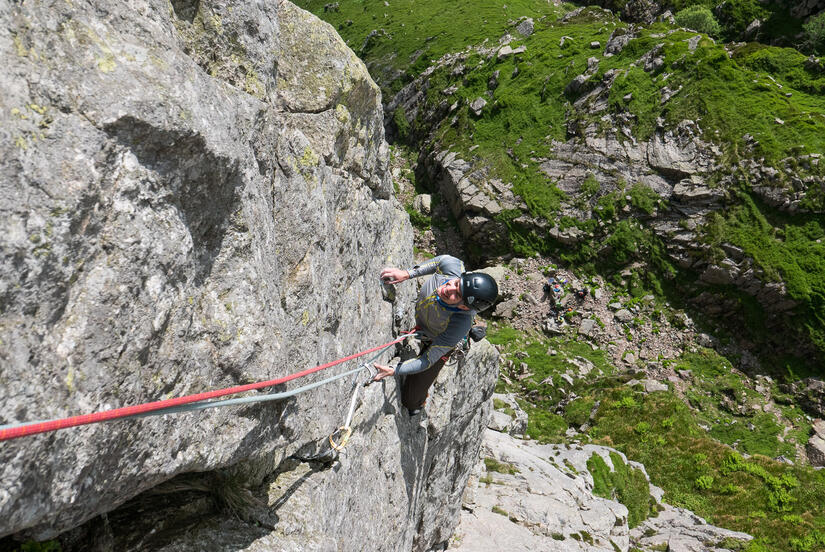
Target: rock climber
x,y
447,303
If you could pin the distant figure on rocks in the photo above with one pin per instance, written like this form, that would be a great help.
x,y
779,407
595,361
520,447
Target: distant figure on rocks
x,y
447,303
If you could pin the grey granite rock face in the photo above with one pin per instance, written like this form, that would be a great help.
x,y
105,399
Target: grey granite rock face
x,y
397,486
196,196
544,500
539,507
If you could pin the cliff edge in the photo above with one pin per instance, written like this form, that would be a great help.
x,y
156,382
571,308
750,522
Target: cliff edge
x,y
193,196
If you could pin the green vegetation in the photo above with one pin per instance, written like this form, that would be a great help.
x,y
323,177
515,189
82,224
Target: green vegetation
x,y
401,40
494,465
402,125
420,221
577,412
688,463
788,249
815,33
498,404
738,14
624,484
44,546
699,18
685,448
732,410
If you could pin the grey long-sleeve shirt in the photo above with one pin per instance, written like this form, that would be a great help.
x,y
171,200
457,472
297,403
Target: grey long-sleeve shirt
x,y
443,324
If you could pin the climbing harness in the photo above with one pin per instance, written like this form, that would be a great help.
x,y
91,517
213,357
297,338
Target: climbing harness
x,y
190,403
458,353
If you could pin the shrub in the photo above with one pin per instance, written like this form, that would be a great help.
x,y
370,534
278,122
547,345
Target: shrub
x,y
627,402
641,428
643,198
590,186
704,482
577,413
815,33
699,18
402,125
626,484
494,465
736,15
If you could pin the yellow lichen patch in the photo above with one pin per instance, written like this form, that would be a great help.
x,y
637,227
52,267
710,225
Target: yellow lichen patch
x,y
157,61
70,380
107,63
253,86
305,318
309,159
22,51
217,24
342,113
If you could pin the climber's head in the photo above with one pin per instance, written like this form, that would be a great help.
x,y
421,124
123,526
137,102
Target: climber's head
x,y
478,290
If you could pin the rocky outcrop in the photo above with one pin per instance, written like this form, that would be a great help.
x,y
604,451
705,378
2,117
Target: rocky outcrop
x,y
474,199
196,196
525,496
816,444
809,394
805,8
681,530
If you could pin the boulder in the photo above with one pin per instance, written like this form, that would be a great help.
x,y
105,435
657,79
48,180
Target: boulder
x,y
540,497
681,530
540,507
651,386
478,104
516,423
525,28
423,203
617,41
576,85
588,327
506,309
816,450
623,315
816,444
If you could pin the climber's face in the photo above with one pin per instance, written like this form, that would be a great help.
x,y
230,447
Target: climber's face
x,y
450,292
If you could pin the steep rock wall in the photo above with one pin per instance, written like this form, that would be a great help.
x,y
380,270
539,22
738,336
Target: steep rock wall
x,y
194,195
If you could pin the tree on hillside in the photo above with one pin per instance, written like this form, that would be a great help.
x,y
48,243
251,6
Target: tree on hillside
x,y
815,33
698,18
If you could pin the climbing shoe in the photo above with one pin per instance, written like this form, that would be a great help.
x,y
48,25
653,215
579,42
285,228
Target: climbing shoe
x,y
413,412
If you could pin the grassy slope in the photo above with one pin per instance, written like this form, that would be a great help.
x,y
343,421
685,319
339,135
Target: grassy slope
x,y
692,453
418,32
729,97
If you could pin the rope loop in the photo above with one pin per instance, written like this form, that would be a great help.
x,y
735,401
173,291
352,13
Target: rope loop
x,y
346,432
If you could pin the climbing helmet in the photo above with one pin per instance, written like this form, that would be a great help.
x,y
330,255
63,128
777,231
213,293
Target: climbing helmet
x,y
478,290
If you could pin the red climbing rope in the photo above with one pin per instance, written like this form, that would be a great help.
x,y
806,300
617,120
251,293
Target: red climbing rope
x,y
126,411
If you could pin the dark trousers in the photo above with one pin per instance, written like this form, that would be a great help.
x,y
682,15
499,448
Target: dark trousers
x,y
415,387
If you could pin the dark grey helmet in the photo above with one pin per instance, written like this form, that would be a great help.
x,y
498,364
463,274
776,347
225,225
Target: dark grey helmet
x,y
478,290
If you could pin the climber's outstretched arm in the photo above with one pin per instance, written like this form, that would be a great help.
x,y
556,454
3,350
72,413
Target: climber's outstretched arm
x,y
394,275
